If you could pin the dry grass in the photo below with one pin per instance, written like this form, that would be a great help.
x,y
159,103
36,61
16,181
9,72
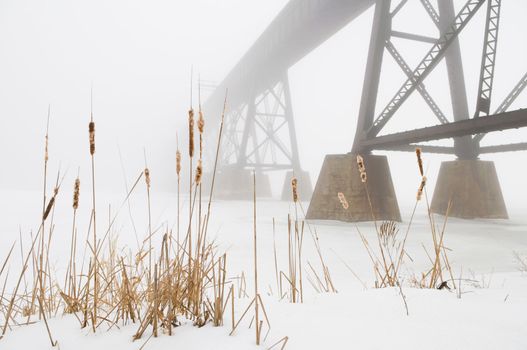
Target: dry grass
x,y
390,253
153,287
289,281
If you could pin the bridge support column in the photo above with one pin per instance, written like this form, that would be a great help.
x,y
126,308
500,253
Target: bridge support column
x,y
340,174
473,187
236,183
305,189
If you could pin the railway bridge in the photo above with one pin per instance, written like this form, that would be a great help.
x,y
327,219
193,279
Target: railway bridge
x,y
259,131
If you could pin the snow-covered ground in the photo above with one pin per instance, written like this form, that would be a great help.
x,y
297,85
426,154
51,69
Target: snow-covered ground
x,y
491,313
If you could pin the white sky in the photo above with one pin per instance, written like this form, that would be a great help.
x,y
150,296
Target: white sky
x,y
138,55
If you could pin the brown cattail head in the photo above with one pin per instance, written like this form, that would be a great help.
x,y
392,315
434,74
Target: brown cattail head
x,y
191,133
178,162
201,122
92,137
50,204
421,188
147,177
362,169
419,160
46,155
76,193
343,200
360,164
199,172
294,185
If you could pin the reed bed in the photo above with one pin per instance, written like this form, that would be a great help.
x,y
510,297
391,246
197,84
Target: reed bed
x,y
156,288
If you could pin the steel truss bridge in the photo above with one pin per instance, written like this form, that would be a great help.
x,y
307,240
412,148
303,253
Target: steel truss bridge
x,y
260,128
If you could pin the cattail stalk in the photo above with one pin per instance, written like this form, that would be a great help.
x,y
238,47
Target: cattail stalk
x,y
147,181
40,249
256,315
91,130
191,155
71,272
178,172
201,126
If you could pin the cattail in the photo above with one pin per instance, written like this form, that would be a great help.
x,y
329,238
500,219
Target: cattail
x,y
178,162
419,160
92,137
201,123
360,164
294,185
362,169
191,133
421,188
48,208
76,193
46,155
199,172
343,200
147,177
50,204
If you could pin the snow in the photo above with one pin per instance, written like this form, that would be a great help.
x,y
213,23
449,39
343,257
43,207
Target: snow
x,y
489,314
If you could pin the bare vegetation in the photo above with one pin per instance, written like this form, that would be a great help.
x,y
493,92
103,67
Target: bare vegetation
x,y
152,287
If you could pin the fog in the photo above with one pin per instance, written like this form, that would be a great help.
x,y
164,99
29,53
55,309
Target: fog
x,y
138,55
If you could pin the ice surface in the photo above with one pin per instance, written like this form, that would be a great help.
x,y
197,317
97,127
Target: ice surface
x,y
491,313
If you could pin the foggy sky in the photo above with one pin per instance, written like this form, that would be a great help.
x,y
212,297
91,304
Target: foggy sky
x,y
138,54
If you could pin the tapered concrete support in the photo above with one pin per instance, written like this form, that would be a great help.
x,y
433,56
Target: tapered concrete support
x,y
474,189
235,183
340,174
305,189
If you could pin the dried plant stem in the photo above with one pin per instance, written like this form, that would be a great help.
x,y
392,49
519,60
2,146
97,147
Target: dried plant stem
x,y
94,219
150,233
257,324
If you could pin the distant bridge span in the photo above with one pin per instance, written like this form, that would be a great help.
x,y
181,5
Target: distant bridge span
x,y
298,29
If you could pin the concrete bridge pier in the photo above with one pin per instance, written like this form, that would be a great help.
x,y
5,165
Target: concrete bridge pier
x,y
340,173
473,187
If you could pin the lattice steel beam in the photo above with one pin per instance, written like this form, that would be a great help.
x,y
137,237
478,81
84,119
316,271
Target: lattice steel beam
x,y
507,102
431,11
503,121
427,64
424,148
420,87
511,97
488,60
264,141
398,8
513,147
414,37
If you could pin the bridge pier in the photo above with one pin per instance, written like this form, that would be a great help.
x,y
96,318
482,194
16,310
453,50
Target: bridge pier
x,y
473,187
305,189
236,183
340,173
